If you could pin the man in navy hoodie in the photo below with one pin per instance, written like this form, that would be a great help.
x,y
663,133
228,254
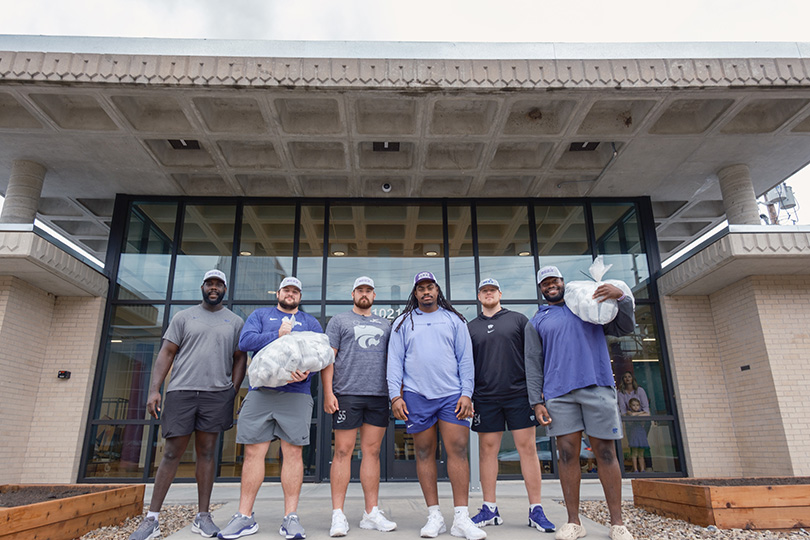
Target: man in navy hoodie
x,y
571,388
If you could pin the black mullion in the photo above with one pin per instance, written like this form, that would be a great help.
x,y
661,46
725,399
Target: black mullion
x,y
323,434
296,237
589,229
476,264
533,245
446,241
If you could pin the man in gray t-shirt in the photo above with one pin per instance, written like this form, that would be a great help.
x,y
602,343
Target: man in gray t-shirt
x,y
201,349
356,395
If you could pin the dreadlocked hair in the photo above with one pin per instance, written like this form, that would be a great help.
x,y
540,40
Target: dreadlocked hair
x,y
413,303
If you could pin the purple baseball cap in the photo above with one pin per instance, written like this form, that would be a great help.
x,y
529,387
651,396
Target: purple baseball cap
x,y
424,276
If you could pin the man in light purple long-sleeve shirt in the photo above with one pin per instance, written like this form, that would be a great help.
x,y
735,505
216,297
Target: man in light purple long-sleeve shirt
x,y
430,381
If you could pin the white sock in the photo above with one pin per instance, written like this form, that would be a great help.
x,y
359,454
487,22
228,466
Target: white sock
x,y
337,511
533,506
373,510
243,515
434,509
491,505
155,515
460,511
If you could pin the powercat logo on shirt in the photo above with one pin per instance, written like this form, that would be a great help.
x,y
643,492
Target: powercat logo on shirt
x,y
367,336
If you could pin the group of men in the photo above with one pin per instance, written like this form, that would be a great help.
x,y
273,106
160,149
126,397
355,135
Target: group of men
x,y
431,369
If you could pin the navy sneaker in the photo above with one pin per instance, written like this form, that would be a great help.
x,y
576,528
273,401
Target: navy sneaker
x,y
538,520
485,517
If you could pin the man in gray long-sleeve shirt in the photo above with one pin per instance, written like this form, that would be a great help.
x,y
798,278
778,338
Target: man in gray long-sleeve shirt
x,y
571,387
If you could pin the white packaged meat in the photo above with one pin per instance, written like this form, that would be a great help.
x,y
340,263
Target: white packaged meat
x,y
579,295
274,364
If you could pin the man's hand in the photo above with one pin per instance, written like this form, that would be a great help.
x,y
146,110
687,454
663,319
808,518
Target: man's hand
x,y
153,404
298,376
464,408
399,409
605,291
541,413
285,328
330,403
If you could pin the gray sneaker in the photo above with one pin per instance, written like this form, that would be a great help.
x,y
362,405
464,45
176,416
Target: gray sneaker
x,y
148,529
291,528
204,525
239,526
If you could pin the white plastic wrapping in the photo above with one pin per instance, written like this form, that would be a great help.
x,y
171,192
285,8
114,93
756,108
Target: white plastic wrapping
x,y
579,295
274,364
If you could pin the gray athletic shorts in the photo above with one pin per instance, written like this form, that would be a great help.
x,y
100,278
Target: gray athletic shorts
x,y
267,415
593,409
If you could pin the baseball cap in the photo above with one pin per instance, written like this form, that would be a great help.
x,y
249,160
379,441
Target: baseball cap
x,y
547,272
217,274
363,280
489,281
291,281
424,276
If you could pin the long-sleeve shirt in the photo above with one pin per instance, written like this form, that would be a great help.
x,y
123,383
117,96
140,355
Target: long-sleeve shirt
x,y
433,359
261,328
564,353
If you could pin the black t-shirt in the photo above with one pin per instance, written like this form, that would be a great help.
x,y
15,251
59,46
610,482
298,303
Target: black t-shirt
x,y
498,355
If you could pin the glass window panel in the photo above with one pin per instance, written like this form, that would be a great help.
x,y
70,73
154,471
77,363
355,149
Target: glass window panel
x,y
640,355
562,239
509,459
618,238
386,243
462,263
470,311
207,243
651,445
265,251
117,451
134,341
310,251
143,272
527,309
504,250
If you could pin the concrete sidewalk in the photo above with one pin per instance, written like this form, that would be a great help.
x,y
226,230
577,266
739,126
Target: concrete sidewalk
x,y
401,502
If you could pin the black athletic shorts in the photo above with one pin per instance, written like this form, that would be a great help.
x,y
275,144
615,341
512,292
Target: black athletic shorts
x,y
354,411
491,416
187,411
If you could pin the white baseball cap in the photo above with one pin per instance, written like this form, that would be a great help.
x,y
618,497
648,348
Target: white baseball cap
x,y
489,281
216,274
547,272
363,280
291,281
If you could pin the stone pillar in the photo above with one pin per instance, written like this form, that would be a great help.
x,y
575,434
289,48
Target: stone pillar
x,y
22,195
739,198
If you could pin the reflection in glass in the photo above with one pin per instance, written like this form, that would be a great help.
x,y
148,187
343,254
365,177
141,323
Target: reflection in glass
x,y
207,243
618,238
460,249
562,240
117,451
265,251
509,459
387,243
653,442
310,251
134,341
143,272
504,250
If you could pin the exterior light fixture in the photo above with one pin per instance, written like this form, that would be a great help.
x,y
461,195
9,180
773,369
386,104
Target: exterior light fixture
x,y
523,250
247,249
431,250
339,250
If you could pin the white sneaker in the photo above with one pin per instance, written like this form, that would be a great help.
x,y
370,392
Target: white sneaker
x,y
619,532
340,525
434,526
464,527
570,531
377,520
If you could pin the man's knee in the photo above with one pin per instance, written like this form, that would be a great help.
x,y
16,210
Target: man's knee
x,y
567,451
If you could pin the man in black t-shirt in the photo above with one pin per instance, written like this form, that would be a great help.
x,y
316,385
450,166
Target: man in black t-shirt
x,y
502,401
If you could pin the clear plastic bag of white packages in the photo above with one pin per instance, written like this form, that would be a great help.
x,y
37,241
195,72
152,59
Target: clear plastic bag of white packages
x,y
579,295
274,364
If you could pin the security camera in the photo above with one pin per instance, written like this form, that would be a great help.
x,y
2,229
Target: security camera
x,y
386,187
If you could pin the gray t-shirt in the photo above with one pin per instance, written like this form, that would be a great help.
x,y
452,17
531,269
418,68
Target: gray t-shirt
x,y
207,341
362,344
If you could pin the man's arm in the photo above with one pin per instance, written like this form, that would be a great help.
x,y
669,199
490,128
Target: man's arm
x,y
466,371
239,368
534,363
330,401
395,371
164,361
625,321
252,339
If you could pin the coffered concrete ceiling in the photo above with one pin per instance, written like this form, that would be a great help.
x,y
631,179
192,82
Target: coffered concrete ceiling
x,y
343,126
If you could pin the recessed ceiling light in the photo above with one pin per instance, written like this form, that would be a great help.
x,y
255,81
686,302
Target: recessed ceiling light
x,y
431,250
385,146
184,144
339,250
583,146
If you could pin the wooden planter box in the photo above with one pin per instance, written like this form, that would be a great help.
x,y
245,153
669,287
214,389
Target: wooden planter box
x,y
781,505
71,517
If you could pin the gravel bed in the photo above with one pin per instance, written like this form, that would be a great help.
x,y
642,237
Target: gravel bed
x,y
647,526
172,519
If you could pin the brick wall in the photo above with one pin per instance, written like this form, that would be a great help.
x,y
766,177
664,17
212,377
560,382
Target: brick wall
x,y
707,426
60,417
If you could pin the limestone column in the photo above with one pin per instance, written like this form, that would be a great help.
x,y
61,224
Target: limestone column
x,y
24,190
739,198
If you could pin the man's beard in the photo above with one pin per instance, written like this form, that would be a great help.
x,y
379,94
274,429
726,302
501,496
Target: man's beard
x,y
288,303
363,302
557,298
215,302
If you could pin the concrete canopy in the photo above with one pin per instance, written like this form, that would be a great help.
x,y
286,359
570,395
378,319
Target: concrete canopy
x,y
287,119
